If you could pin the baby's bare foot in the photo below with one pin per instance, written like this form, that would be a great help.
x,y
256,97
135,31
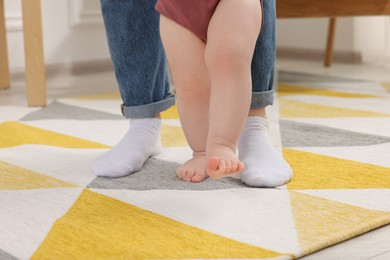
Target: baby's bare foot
x,y
223,162
193,170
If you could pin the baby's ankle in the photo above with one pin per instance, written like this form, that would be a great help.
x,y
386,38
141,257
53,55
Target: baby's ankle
x,y
198,154
217,144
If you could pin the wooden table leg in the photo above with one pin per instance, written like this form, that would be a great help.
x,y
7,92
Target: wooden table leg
x,y
329,44
5,81
33,47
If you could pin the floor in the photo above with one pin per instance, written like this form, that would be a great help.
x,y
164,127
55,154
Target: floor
x,y
374,245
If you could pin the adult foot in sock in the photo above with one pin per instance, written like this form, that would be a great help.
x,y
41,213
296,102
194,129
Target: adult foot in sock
x,y
222,162
129,155
264,165
193,170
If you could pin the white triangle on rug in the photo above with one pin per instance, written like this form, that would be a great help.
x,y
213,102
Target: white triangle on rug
x,y
260,217
373,199
26,217
368,87
359,87
71,165
374,105
107,106
107,132
365,125
371,154
177,154
14,113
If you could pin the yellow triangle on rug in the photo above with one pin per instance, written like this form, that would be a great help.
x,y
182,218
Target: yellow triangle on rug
x,y
314,172
16,133
99,227
321,222
13,177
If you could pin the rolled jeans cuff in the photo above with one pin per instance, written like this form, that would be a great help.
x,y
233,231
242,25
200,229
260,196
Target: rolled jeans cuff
x,y
262,99
148,110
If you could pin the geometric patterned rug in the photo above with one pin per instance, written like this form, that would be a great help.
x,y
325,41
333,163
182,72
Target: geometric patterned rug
x,y
334,132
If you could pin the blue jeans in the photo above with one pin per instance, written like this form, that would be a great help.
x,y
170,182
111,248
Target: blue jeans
x,y
132,28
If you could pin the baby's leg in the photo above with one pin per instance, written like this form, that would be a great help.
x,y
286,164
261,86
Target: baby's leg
x,y
185,53
232,34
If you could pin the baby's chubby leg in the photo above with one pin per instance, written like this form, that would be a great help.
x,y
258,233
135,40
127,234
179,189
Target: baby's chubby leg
x,y
185,53
232,35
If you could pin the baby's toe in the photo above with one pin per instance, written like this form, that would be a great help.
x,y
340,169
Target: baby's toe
x,y
189,174
199,176
222,166
234,166
228,166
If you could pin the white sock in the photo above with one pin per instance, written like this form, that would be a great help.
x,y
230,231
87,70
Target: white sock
x,y
264,165
129,155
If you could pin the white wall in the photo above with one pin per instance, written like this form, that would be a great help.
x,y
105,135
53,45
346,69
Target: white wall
x,y
73,31
368,36
312,33
372,38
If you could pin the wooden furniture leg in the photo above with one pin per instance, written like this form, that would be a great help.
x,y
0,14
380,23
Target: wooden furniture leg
x,y
33,47
329,44
5,81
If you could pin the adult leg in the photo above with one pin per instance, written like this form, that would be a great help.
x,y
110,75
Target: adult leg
x,y
265,166
232,35
132,28
185,53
